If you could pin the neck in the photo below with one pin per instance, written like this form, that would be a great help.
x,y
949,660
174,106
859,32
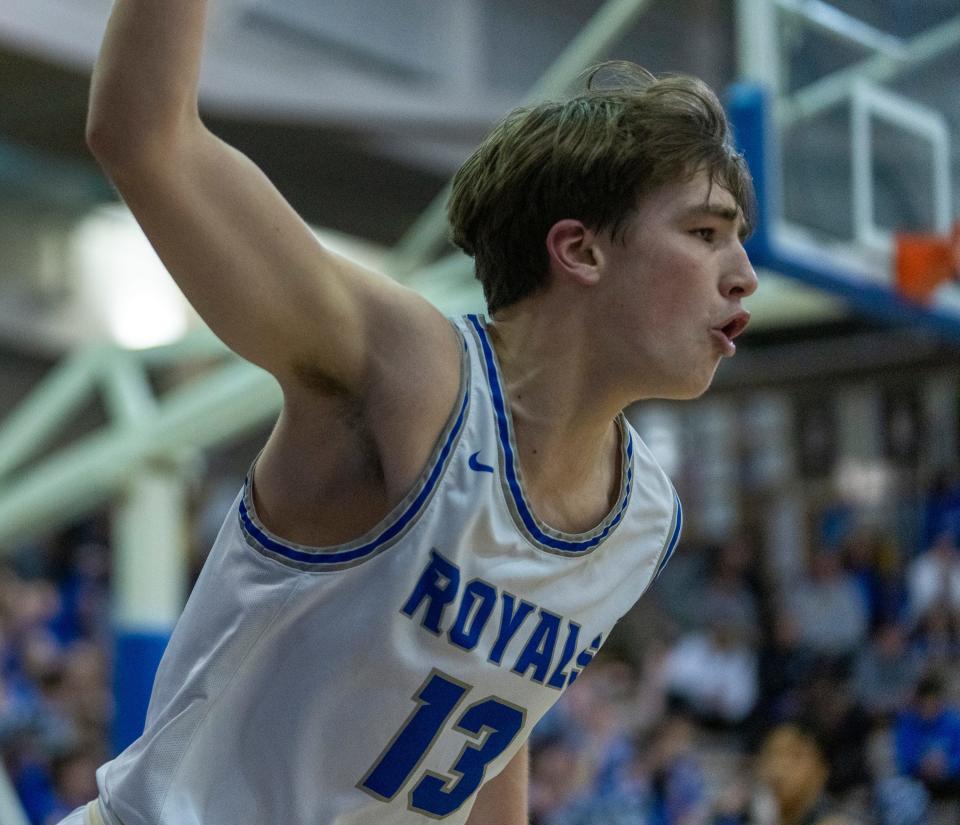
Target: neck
x,y
563,419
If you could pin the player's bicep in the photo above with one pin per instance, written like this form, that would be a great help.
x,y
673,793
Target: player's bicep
x,y
249,264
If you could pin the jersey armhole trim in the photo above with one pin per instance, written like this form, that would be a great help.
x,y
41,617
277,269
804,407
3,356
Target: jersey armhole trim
x,y
393,527
673,537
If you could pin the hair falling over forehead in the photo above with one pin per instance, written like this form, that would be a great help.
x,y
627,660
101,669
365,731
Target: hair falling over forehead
x,y
592,157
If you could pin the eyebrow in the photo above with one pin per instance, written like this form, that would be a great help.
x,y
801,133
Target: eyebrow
x,y
715,210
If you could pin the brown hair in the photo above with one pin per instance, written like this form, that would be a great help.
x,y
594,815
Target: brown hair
x,y
593,158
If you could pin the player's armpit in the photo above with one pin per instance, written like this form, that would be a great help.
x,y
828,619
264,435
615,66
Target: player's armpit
x,y
503,800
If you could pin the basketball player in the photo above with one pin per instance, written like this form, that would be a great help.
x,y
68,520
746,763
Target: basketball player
x,y
449,516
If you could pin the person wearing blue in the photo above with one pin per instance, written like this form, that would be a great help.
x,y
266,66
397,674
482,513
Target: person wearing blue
x,y
927,737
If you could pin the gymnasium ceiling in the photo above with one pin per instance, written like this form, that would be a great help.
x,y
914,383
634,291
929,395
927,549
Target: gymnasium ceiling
x,y
360,111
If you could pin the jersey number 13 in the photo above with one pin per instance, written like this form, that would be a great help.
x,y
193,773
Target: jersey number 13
x,y
437,699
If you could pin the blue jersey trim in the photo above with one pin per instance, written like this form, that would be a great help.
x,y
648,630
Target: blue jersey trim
x,y
323,558
503,431
674,539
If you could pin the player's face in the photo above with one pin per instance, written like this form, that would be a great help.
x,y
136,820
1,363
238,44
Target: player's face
x,y
674,286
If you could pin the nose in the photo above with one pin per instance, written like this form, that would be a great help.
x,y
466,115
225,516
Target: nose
x,y
739,280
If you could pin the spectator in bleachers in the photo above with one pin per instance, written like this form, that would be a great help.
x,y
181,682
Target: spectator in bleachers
x,y
874,561
892,595
83,583
840,726
661,784
784,669
649,701
936,637
54,688
679,590
87,696
599,720
74,781
900,800
942,507
792,767
927,739
559,778
16,703
734,801
828,609
860,553
933,577
729,593
714,581
886,672
789,784
592,721
664,783
713,674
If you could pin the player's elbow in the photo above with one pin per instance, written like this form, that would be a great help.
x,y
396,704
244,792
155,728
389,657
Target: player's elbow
x,y
102,141
110,140
115,147
121,140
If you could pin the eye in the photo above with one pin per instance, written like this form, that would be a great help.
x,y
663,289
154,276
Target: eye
x,y
706,233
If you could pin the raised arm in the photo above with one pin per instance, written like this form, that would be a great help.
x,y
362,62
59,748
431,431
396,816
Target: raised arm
x,y
244,259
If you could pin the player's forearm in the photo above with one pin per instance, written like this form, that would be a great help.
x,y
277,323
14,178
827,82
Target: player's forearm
x,y
144,88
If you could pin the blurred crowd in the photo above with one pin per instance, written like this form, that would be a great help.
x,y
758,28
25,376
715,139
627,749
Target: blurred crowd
x,y
55,696
728,699
724,698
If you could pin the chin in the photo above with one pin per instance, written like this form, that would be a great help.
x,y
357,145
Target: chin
x,y
685,391
689,387
682,386
688,394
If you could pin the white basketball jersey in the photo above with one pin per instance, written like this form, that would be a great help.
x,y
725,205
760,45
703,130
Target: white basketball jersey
x,y
385,680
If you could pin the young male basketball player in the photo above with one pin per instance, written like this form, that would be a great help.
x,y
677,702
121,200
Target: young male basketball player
x,y
449,517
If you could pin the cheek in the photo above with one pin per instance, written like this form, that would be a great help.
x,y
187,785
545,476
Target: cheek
x,y
673,313
677,289
659,303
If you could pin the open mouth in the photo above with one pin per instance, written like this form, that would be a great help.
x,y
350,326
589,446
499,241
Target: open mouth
x,y
737,324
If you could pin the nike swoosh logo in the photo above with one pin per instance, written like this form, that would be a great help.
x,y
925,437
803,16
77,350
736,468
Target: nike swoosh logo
x,y
476,464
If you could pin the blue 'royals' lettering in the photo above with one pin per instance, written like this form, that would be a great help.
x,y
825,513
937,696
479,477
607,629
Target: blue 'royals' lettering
x,y
438,589
470,622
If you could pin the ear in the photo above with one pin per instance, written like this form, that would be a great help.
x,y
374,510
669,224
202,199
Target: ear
x,y
574,252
